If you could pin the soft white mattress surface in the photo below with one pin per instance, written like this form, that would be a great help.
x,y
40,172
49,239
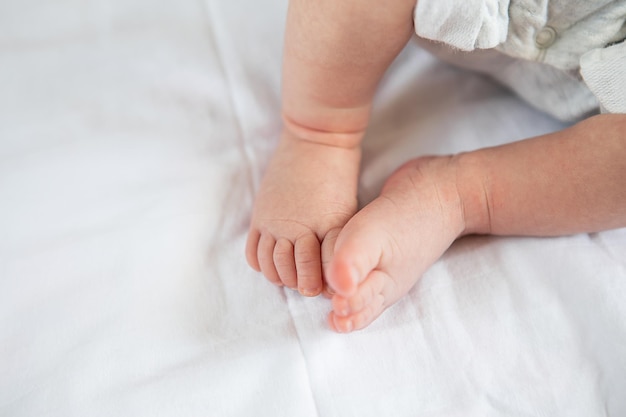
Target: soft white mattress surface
x,y
133,135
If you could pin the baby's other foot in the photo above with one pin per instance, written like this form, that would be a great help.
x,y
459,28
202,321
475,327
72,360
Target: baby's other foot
x,y
308,190
387,246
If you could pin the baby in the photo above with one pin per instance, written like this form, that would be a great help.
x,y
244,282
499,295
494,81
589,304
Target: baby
x,y
566,57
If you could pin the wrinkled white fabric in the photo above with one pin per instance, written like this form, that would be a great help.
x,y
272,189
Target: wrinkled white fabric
x,y
540,47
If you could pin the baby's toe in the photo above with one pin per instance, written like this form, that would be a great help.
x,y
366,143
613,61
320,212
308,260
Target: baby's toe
x,y
366,293
252,245
328,250
360,319
308,265
284,262
265,255
357,253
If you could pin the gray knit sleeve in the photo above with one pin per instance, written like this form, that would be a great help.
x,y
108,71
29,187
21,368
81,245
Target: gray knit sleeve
x,y
604,72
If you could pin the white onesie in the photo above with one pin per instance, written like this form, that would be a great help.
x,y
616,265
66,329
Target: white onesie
x,y
566,57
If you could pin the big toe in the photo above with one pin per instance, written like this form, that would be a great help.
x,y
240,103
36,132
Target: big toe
x,y
358,252
252,244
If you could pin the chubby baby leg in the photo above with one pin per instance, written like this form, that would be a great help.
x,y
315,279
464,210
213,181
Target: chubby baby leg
x,y
335,54
565,182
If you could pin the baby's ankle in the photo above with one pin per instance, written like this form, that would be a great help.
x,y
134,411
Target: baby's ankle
x,y
473,188
441,172
433,180
348,135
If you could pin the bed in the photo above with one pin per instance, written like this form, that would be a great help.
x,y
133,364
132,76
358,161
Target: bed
x,y
133,135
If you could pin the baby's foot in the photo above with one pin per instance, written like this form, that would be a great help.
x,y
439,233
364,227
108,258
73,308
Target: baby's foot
x,y
308,190
386,247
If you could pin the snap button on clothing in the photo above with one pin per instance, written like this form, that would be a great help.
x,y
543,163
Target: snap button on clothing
x,y
545,37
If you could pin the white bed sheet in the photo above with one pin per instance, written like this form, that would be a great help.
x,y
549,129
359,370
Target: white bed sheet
x,y
133,135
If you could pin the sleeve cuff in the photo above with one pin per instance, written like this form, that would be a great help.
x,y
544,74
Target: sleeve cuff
x,y
463,24
604,72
